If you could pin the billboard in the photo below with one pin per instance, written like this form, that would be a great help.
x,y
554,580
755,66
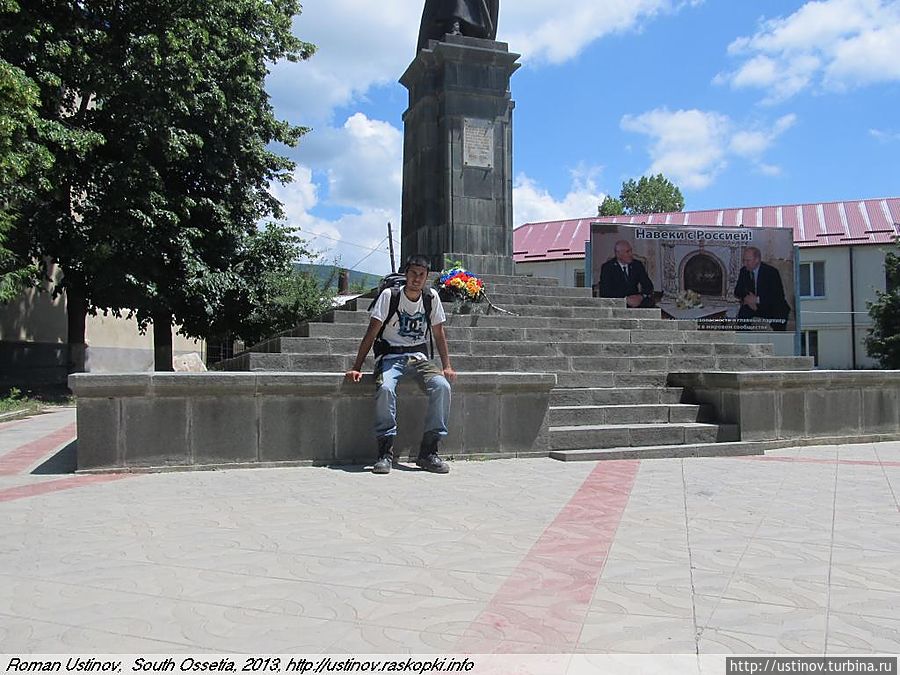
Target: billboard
x,y
725,278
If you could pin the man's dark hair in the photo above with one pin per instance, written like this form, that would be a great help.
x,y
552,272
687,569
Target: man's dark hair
x,y
418,261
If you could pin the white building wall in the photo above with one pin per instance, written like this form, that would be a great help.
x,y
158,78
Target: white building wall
x,y
829,316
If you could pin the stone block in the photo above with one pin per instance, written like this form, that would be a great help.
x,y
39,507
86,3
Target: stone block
x,y
155,432
296,428
354,440
480,423
792,407
664,434
833,412
523,422
701,434
881,410
758,416
98,433
224,430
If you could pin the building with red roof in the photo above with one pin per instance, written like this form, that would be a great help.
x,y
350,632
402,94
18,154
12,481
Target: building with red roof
x,y
842,247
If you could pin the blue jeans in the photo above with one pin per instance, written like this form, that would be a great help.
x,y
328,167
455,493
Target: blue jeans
x,y
388,372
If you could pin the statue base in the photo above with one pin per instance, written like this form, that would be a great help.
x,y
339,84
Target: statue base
x,y
457,155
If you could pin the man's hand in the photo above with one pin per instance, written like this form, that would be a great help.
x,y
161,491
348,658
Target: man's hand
x,y
353,375
634,300
449,373
752,301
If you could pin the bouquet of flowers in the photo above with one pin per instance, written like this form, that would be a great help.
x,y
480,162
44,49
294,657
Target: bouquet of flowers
x,y
457,283
688,300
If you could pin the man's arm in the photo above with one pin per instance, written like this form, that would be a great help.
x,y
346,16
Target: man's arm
x,y
606,282
440,338
646,282
740,288
355,373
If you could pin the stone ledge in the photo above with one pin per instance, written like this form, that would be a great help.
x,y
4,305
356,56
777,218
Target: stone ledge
x,y
798,405
160,421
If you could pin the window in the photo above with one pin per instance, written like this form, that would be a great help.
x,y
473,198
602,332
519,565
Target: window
x,y
579,278
812,280
809,345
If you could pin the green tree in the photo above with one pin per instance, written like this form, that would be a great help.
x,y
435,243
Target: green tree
x,y
610,206
883,340
656,194
27,144
160,221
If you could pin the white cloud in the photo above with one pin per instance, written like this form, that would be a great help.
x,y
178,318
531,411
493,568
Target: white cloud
x,y
688,146
558,31
753,143
534,204
832,44
692,147
884,136
363,44
361,165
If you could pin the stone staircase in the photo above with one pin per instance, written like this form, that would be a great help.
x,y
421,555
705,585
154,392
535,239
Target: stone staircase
x,y
612,364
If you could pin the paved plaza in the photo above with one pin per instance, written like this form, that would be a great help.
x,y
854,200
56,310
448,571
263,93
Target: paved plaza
x,y
794,552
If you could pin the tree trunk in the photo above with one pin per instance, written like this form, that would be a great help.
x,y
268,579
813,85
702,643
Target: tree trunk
x,y
76,313
162,341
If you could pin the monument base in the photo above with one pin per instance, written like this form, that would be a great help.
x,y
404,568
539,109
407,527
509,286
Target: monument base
x,y
457,154
484,264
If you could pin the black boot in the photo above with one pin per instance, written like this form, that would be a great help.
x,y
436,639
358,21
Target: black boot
x,y
385,455
428,456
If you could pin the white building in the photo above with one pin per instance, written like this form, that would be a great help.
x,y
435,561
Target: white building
x,y
841,245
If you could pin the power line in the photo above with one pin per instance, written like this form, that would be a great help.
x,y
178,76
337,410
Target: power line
x,y
342,241
358,263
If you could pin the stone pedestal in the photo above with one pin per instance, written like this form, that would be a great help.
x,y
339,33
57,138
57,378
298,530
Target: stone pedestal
x,y
457,155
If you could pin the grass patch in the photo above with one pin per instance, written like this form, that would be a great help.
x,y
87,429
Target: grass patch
x,y
14,401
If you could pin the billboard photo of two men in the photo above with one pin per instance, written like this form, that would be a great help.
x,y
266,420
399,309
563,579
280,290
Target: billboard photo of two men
x,y
725,278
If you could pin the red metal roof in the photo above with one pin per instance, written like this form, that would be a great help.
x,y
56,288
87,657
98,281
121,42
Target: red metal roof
x,y
864,221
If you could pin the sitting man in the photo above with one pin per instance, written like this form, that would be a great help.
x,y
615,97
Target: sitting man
x,y
760,291
403,353
625,277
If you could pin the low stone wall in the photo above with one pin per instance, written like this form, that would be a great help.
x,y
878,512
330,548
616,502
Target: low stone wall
x,y
830,405
158,420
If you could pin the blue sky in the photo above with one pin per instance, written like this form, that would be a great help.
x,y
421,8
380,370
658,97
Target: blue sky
x,y
739,102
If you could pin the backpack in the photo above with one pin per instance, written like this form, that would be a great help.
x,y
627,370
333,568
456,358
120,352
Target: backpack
x,y
396,283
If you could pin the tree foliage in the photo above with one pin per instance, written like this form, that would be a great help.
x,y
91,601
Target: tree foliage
x,y
654,194
883,340
160,220
27,141
610,206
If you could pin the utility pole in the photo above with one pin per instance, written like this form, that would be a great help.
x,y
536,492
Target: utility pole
x,y
391,248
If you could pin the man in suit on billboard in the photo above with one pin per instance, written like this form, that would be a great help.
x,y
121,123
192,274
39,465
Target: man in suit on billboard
x,y
625,277
760,291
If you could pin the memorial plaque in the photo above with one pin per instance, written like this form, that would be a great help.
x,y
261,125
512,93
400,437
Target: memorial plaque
x,y
478,143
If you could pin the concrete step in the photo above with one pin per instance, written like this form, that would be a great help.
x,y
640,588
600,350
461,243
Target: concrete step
x,y
731,449
562,416
522,300
588,380
622,435
546,291
517,280
562,396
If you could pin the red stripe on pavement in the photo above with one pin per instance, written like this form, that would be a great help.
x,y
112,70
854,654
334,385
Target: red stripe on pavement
x,y
545,600
23,457
814,460
23,491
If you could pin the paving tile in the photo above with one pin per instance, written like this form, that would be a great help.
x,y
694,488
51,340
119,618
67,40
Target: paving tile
x,y
658,600
769,620
854,634
637,634
717,641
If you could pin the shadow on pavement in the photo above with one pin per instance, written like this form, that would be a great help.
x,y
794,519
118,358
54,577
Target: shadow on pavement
x,y
63,462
